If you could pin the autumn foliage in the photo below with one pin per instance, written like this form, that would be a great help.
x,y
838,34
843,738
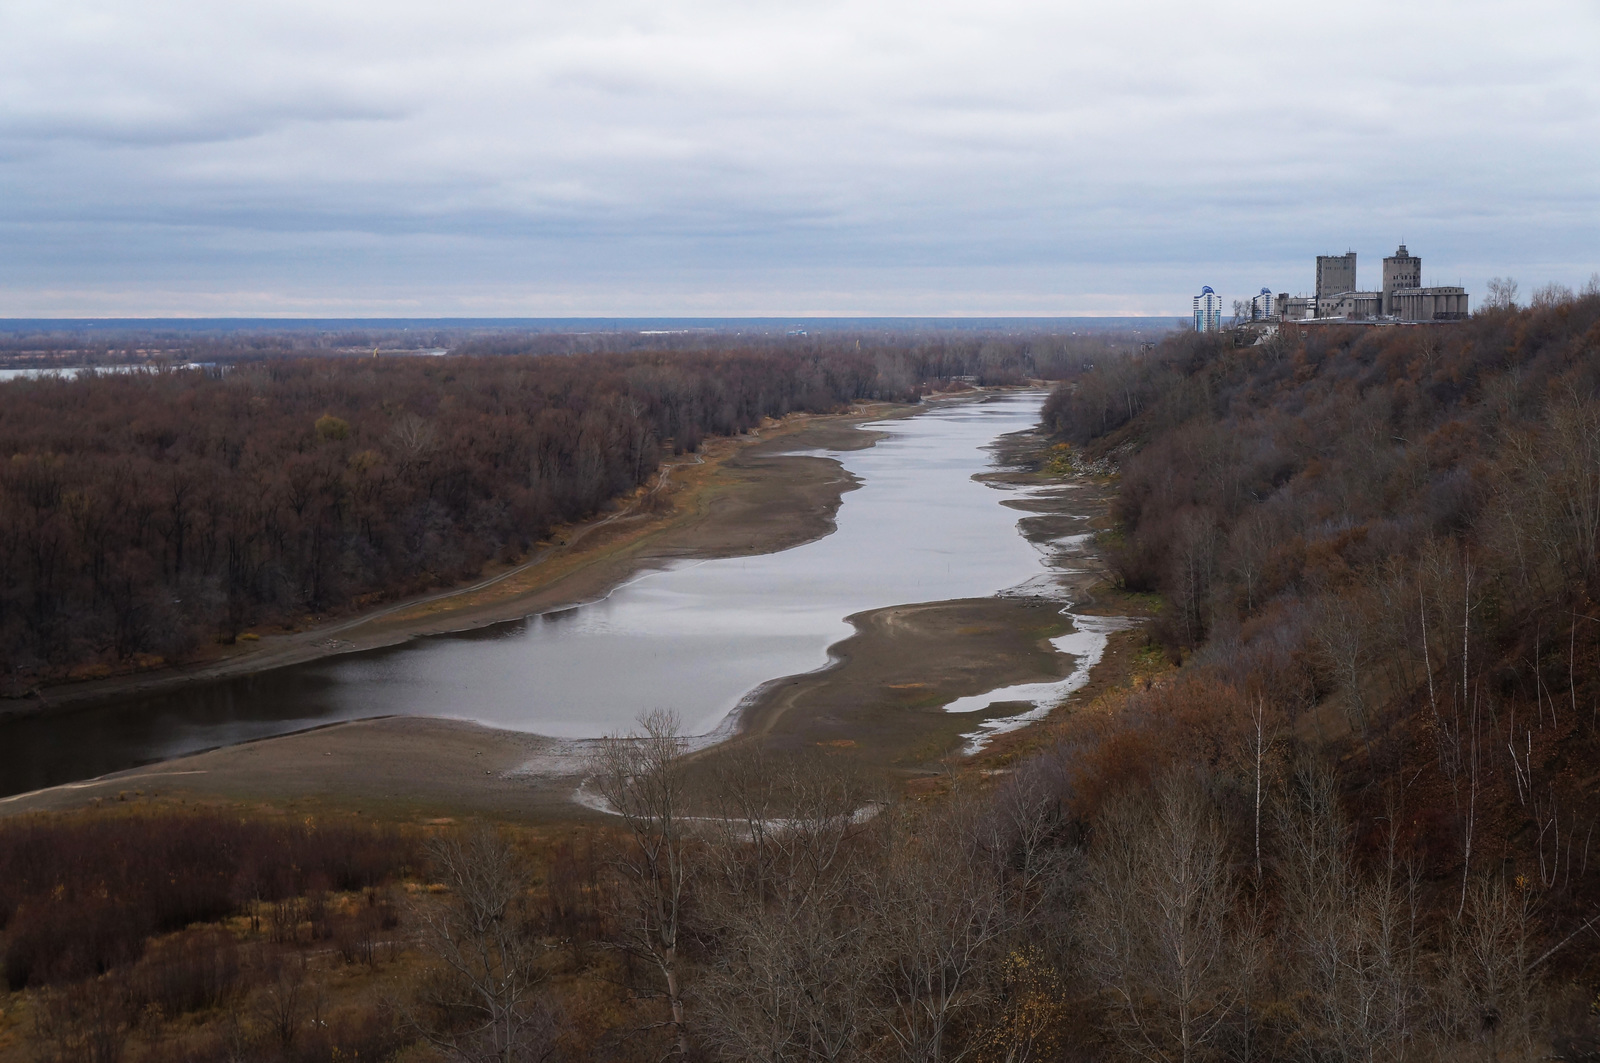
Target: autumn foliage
x,y
143,515
1385,541
80,896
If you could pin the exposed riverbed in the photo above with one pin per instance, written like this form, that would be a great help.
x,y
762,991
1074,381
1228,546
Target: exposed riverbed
x,y
697,637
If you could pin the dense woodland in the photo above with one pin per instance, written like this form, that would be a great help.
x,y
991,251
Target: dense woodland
x,y
1380,545
143,515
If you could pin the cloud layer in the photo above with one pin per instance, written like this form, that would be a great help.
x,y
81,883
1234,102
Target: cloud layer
x,y
705,157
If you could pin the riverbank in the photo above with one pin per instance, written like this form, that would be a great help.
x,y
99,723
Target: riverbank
x,y
740,496
880,703
883,700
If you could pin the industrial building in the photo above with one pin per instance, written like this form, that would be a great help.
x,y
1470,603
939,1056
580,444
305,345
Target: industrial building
x,y
1402,297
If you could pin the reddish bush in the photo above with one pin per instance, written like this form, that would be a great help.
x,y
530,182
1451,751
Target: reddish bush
x,y
81,894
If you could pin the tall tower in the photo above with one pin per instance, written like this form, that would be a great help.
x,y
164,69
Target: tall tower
x,y
1336,274
1400,270
1207,311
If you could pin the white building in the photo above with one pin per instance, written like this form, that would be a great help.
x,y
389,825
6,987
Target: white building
x,y
1261,307
1207,311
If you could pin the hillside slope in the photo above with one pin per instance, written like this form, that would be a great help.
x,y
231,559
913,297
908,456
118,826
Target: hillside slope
x,y
1387,540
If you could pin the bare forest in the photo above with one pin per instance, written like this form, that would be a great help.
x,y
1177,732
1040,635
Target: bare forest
x,y
145,514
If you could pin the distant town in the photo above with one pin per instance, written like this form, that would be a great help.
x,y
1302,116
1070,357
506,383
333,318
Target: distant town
x,y
1400,300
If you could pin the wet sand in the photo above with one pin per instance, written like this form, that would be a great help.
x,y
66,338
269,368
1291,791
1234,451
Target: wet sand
x,y
397,767
879,703
882,701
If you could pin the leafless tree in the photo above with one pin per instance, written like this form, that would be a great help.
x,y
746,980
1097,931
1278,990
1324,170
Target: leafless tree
x,y
1018,834
482,1003
1552,294
1160,923
1492,987
1502,294
283,1002
1193,564
84,1023
641,777
1555,484
937,915
1343,634
1351,941
789,976
414,441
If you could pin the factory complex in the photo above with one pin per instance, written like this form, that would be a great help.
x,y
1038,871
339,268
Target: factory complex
x,y
1401,299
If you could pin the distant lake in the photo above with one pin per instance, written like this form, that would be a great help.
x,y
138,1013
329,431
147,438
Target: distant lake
x,y
70,372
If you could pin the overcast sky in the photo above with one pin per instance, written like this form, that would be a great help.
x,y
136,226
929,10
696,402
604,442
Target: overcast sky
x,y
696,157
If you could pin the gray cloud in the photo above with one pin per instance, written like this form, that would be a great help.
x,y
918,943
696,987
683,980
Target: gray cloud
x,y
627,156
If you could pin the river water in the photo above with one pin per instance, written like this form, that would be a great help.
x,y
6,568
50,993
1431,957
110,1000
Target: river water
x,y
695,637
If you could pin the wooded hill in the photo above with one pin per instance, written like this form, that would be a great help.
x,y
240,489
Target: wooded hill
x,y
142,513
1380,544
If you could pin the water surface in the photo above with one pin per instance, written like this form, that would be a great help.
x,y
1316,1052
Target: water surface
x,y
696,637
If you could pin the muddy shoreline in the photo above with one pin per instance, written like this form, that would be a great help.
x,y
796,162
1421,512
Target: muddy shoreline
x,y
879,702
741,496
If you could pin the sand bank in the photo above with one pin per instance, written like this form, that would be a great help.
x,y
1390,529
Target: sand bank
x,y
880,703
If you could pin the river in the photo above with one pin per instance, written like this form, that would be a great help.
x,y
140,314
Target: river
x,y
695,637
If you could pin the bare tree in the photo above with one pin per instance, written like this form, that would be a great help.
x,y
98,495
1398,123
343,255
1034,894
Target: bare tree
x,y
937,915
84,1023
1343,634
1502,294
789,977
641,777
1193,565
1352,941
1552,294
413,441
1492,989
283,1002
1258,718
482,1002
1570,486
1160,925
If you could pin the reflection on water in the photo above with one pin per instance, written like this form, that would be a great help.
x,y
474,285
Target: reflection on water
x,y
696,637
